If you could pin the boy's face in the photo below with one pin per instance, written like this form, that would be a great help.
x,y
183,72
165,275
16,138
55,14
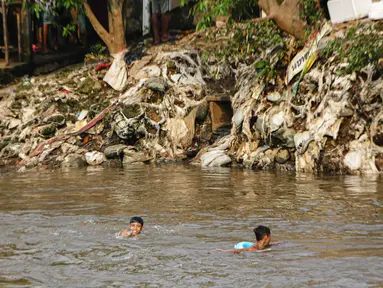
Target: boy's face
x,y
135,228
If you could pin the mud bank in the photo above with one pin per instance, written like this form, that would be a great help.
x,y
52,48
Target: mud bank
x,y
192,102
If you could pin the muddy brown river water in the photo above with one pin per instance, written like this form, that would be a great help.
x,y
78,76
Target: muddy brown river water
x,y
58,228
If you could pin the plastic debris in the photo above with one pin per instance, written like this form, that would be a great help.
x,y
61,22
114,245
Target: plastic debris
x,y
95,158
299,61
117,75
376,11
346,10
81,116
102,66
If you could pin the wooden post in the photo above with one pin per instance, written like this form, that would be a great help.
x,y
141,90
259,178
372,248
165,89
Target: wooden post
x,y
26,28
20,49
5,30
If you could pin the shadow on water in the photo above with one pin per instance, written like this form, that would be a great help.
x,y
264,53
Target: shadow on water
x,y
59,228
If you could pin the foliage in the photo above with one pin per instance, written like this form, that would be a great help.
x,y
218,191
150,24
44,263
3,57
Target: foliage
x,y
246,39
357,48
97,52
261,43
57,9
208,10
256,37
311,12
68,29
53,6
98,49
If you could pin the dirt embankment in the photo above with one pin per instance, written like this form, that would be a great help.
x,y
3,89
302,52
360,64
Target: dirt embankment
x,y
214,98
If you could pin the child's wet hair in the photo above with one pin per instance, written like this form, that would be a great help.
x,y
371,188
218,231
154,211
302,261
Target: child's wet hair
x,y
136,219
261,232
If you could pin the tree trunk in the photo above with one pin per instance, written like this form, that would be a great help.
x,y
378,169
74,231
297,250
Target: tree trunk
x,y
118,38
115,38
110,19
286,15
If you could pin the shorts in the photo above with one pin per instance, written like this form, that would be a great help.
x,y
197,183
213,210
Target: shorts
x,y
160,6
82,23
47,17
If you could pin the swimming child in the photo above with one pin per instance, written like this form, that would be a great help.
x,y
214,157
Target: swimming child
x,y
136,225
263,236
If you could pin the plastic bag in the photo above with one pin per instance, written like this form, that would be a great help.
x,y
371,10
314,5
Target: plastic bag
x,y
117,75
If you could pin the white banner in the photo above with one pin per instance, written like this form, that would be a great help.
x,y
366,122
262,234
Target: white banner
x,y
299,61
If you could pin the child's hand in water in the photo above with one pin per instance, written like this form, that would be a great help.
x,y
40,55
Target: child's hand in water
x,y
126,233
221,250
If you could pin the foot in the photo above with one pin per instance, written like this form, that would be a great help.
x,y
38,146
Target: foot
x,y
168,39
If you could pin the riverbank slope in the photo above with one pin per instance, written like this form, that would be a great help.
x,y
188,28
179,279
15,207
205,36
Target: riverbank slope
x,y
216,98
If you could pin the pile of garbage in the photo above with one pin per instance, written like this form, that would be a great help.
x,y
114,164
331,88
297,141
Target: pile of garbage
x,y
72,119
329,120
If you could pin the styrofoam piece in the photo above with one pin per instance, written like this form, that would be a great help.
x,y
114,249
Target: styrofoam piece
x,y
145,17
347,10
376,11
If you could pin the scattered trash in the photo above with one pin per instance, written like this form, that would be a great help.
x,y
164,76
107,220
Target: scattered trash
x,y
157,84
102,66
26,81
133,157
300,60
346,10
134,54
353,160
329,119
376,11
115,151
64,91
58,119
81,116
117,75
94,158
74,161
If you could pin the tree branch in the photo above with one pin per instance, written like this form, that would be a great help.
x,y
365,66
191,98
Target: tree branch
x,y
268,6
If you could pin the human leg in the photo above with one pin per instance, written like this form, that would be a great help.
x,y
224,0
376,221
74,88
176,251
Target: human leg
x,y
46,25
156,28
165,19
45,37
155,21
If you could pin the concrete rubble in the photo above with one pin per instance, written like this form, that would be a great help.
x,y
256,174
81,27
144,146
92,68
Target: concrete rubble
x,y
170,110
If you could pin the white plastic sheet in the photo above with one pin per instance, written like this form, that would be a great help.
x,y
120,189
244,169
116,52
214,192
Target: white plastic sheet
x,y
117,75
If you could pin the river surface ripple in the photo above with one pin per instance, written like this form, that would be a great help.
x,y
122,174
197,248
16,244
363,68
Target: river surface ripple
x,y
58,228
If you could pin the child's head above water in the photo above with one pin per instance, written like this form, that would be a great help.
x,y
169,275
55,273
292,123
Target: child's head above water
x,y
136,225
137,219
262,233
